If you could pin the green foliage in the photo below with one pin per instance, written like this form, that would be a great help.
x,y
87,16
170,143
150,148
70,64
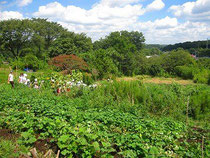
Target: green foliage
x,y
1,60
29,61
176,58
62,46
15,35
125,44
155,68
151,51
88,78
18,64
202,76
104,61
203,63
9,149
71,43
27,138
203,52
186,45
39,37
185,72
201,98
111,120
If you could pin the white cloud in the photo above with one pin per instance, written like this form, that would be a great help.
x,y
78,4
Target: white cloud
x,y
22,3
10,15
165,23
117,3
193,11
178,32
98,14
3,2
155,5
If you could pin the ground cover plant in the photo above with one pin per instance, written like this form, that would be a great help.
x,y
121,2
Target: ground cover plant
x,y
119,119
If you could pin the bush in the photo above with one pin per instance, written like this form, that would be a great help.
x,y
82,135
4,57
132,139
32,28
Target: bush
x,y
176,58
31,61
69,63
204,63
154,66
87,78
200,104
185,72
9,149
1,61
18,64
202,76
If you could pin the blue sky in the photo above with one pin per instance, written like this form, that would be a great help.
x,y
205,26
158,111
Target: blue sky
x,y
161,21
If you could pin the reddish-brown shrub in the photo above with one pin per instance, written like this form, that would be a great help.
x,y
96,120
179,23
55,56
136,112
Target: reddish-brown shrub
x,y
68,63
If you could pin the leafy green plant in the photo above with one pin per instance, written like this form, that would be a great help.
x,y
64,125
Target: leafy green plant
x,y
113,119
202,76
9,149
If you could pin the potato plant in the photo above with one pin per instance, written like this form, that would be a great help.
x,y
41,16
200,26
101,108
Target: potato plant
x,y
88,131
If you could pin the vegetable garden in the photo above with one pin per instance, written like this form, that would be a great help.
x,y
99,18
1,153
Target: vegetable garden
x,y
119,119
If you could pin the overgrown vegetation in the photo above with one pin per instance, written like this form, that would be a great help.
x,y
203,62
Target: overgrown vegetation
x,y
115,119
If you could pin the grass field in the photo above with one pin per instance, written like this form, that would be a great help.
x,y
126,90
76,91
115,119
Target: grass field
x,y
157,80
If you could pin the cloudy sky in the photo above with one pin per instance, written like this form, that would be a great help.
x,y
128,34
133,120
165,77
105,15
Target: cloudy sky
x,y
161,21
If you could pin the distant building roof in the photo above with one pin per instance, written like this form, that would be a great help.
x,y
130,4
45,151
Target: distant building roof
x,y
148,57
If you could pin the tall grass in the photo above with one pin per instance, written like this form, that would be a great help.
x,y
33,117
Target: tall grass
x,y
131,96
163,100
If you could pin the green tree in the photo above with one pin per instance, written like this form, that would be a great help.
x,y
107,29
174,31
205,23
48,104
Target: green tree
x,y
62,46
175,58
71,43
103,61
126,44
48,31
15,35
31,61
20,37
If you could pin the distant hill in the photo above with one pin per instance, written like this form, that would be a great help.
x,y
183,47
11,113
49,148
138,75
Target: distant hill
x,y
159,46
187,45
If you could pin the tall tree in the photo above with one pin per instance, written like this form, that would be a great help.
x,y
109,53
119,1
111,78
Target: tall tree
x,y
49,31
126,44
15,35
71,43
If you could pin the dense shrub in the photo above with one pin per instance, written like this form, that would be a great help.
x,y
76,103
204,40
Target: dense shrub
x,y
1,60
104,61
200,104
185,72
176,58
18,64
88,78
202,76
203,63
69,63
29,61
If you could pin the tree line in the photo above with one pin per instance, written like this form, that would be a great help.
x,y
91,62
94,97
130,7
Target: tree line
x,y
198,48
38,43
